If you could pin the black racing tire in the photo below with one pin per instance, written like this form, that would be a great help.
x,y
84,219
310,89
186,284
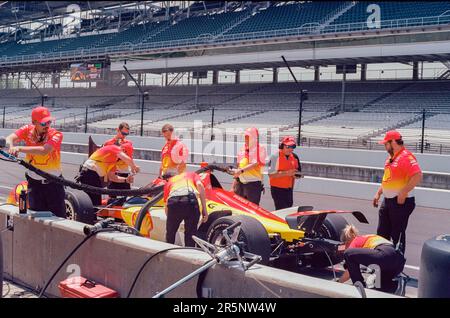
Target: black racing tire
x,y
79,207
253,235
331,229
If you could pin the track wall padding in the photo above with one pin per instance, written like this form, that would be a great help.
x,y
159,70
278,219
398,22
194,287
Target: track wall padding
x,y
37,246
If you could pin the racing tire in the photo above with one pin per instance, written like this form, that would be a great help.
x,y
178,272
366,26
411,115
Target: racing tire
x,y
253,235
79,207
331,229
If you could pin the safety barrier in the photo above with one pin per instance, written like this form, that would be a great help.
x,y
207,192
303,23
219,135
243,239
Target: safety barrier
x,y
38,245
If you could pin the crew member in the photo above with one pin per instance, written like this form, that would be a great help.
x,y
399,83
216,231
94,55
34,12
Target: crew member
x,y
173,155
123,170
103,164
248,178
183,196
401,175
43,151
284,168
371,250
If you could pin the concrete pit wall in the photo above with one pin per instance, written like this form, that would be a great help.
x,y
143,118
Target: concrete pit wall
x,y
38,245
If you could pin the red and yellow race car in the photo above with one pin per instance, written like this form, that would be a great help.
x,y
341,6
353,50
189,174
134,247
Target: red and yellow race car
x,y
306,236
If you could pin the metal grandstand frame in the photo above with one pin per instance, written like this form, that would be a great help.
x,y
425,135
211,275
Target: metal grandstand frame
x,y
309,32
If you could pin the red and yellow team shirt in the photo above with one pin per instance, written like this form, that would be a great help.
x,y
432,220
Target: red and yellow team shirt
x,y
251,175
398,170
51,162
103,160
173,153
121,166
181,185
368,241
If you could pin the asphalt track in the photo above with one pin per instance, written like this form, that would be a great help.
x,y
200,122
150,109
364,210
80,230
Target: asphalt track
x,y
424,224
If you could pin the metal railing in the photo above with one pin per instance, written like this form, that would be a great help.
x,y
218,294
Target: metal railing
x,y
204,40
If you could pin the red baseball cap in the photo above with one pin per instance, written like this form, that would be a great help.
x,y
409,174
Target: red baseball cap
x,y
41,114
289,141
390,135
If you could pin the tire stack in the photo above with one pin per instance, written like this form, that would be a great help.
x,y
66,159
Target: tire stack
x,y
434,277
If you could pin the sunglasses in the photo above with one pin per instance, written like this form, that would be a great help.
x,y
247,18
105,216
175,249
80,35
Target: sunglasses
x,y
291,147
124,133
48,123
165,130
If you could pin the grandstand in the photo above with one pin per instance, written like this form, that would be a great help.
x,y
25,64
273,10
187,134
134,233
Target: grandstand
x,y
185,46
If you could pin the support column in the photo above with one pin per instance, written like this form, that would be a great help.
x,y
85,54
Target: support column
x,y
7,81
316,73
167,79
344,78
415,71
237,79
363,72
275,75
139,79
215,77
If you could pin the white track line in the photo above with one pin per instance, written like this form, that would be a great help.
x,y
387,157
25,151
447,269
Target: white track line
x,y
7,188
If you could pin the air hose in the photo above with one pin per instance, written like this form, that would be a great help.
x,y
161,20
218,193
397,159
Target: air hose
x,y
150,191
70,254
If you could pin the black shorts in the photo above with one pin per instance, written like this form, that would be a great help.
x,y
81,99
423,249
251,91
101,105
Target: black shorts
x,y
46,197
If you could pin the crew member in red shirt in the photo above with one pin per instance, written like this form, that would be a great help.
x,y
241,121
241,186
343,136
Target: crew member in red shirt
x,y
185,200
43,151
103,164
123,170
173,155
368,250
402,174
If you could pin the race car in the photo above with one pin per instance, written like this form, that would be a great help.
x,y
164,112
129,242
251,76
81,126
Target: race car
x,y
305,236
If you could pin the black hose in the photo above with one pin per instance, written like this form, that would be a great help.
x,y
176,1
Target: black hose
x,y
144,210
87,188
153,256
70,255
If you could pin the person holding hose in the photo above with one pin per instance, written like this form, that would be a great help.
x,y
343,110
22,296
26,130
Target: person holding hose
x,y
103,164
123,170
43,151
248,177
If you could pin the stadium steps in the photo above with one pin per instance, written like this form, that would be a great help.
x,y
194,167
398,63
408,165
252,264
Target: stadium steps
x,y
398,125
335,15
384,96
170,117
234,24
230,119
254,90
111,101
148,37
312,120
444,75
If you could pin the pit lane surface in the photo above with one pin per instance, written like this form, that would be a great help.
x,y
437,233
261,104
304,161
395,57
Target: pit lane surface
x,y
424,222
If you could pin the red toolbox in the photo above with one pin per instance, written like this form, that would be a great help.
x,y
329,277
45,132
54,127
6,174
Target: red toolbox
x,y
80,287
